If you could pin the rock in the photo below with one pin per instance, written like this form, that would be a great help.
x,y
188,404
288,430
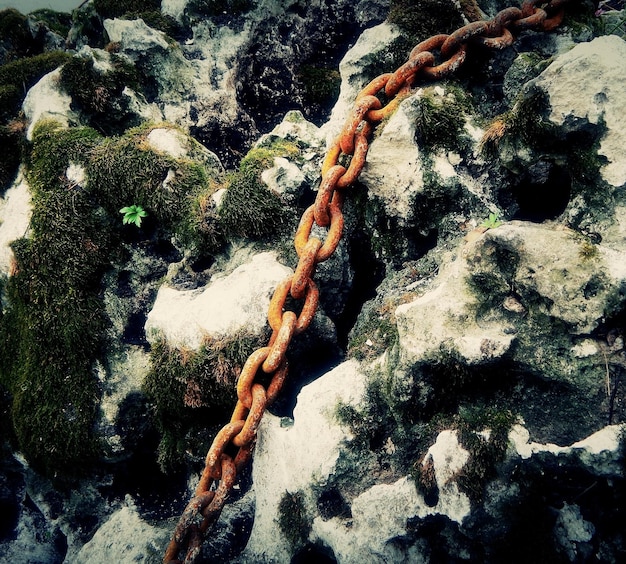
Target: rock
x,y
237,302
47,100
580,96
124,537
15,213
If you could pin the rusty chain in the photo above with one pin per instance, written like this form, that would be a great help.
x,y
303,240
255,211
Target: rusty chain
x,y
433,59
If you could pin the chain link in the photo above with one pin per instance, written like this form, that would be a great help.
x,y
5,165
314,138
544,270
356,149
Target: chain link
x,y
432,59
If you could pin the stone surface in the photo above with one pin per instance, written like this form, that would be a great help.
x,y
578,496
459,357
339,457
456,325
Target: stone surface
x,y
588,84
124,537
15,212
47,100
234,303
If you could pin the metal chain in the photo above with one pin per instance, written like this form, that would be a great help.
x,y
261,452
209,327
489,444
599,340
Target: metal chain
x,y
433,59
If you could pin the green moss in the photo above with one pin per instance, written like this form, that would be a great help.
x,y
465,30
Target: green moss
x,y
54,325
12,141
17,77
320,84
293,520
486,450
373,336
192,389
441,120
58,22
248,208
98,94
15,33
432,17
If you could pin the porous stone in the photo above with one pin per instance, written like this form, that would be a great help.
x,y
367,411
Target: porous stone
x,y
15,213
124,537
237,302
46,99
588,84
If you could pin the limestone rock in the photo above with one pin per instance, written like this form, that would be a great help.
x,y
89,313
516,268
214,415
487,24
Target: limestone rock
x,y
15,212
237,302
124,537
47,100
578,95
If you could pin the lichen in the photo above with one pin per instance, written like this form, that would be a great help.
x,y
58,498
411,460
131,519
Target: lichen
x,y
432,17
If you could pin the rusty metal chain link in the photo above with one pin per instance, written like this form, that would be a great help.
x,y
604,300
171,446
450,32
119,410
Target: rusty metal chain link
x,y
432,59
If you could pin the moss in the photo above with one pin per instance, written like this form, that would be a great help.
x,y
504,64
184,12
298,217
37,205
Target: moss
x,y
192,389
320,84
293,520
486,450
98,94
248,208
374,335
55,319
432,17
17,77
12,141
15,34
54,326
440,122
58,22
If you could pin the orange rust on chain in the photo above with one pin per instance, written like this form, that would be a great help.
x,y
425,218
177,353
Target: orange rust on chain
x,y
321,213
305,268
436,57
283,337
361,107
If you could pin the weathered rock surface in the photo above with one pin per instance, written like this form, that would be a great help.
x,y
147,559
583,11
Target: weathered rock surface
x,y
470,342
228,305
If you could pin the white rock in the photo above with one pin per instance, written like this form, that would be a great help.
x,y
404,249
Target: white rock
x,y
169,141
443,317
353,70
46,99
393,171
124,537
601,450
571,529
313,444
229,304
15,214
589,83
135,35
174,8
283,177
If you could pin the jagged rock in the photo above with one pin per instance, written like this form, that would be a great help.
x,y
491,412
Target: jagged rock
x,y
237,302
15,212
124,537
578,97
47,100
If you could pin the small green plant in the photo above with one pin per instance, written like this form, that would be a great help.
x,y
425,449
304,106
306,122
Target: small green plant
x,y
133,214
492,221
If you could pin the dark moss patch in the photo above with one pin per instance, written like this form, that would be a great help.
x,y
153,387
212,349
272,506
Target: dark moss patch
x,y
487,450
321,86
192,389
58,22
12,141
248,208
293,521
119,8
15,36
98,94
429,18
213,8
